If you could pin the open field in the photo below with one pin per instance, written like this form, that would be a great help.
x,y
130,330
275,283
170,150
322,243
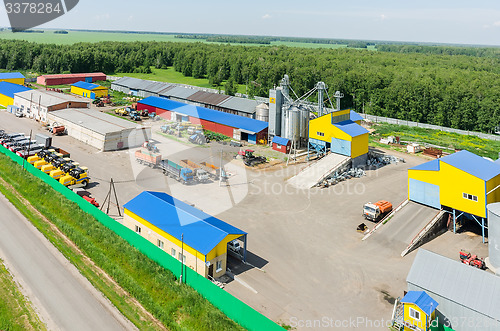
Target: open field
x,y
171,76
450,141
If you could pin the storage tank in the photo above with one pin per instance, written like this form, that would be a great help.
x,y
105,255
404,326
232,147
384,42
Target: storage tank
x,y
304,123
262,112
291,123
494,234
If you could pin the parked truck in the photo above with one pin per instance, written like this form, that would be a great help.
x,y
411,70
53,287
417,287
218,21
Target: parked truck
x,y
212,170
376,211
200,174
176,171
148,158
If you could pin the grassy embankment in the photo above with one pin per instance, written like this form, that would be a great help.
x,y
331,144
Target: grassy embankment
x,y
449,141
176,307
16,311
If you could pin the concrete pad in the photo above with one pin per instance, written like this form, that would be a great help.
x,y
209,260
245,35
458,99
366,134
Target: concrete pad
x,y
314,172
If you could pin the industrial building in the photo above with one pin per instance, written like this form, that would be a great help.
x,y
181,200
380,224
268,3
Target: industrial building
x,y
462,183
7,91
100,130
12,77
282,145
36,104
468,298
190,95
66,79
234,126
193,237
89,90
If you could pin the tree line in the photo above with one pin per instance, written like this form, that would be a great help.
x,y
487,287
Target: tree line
x,y
458,91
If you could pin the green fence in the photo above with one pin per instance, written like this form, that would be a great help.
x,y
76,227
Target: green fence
x,y
228,304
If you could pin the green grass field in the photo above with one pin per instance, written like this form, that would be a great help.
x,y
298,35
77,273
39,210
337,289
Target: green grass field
x,y
171,76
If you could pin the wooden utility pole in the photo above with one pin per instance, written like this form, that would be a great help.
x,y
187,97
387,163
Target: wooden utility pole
x,y
108,198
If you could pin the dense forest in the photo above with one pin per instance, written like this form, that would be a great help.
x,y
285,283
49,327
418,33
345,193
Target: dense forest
x,y
459,91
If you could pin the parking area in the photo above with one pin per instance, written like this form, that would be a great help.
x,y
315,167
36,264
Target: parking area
x,y
306,260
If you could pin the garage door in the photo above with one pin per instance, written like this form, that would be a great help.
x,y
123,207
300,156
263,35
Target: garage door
x,y
424,193
340,146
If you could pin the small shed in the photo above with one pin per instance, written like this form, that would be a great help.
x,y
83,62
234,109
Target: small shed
x,y
418,310
89,90
281,144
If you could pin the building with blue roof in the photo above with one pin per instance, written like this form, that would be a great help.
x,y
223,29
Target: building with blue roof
x,y
12,77
282,145
415,311
462,183
183,231
89,90
234,126
7,91
340,132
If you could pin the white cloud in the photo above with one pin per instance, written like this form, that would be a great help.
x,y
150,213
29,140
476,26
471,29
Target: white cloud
x,y
266,16
497,23
383,17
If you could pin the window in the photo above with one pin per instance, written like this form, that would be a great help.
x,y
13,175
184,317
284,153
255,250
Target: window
x,y
173,252
321,134
218,266
159,243
470,197
278,146
414,314
183,258
138,229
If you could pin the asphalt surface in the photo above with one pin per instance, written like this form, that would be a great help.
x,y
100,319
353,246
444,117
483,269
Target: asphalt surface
x,y
64,299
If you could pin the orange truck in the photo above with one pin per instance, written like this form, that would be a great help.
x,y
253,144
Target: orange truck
x,y
376,211
213,170
147,158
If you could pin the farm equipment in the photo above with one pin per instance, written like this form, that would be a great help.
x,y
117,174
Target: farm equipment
x,y
472,260
362,228
122,111
212,170
150,147
165,128
134,115
152,116
377,210
148,158
198,138
173,170
75,176
250,160
199,172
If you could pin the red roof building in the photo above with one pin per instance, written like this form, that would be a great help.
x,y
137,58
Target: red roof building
x,y
66,79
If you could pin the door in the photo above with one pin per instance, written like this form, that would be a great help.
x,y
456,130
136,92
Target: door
x,y
252,139
342,147
425,193
211,270
88,79
92,95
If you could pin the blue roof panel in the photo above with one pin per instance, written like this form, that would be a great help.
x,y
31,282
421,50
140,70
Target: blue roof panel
x,y
86,86
280,141
11,75
351,128
430,166
201,231
235,121
473,164
355,116
8,89
422,300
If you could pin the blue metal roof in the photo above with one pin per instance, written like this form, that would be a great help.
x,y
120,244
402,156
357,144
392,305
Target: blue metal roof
x,y
473,164
280,141
201,231
11,75
351,128
430,166
86,86
8,89
422,300
355,116
244,123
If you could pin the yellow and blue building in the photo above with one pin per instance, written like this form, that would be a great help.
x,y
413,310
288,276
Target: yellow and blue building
x,y
184,232
418,311
462,183
340,132
7,91
89,90
12,77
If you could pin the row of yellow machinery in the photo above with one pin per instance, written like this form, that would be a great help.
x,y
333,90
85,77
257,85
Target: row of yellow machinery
x,y
61,168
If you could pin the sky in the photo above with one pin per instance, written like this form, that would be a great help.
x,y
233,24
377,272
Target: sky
x,y
436,21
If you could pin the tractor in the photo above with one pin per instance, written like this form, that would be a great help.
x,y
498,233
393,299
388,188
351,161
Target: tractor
x,y
150,147
472,260
251,160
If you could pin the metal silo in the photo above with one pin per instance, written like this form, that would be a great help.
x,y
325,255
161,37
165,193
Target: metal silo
x,y
262,112
494,234
291,123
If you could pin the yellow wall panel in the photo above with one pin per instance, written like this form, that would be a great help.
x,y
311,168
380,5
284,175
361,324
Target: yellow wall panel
x,y
324,124
6,101
359,145
19,81
422,323
493,183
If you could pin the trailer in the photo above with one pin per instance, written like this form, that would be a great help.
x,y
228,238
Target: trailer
x,y
148,158
212,170
176,171
201,174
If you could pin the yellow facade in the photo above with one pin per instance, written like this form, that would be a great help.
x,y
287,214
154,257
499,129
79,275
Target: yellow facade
x,y
18,81
194,259
453,183
99,92
359,145
493,186
411,323
6,101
